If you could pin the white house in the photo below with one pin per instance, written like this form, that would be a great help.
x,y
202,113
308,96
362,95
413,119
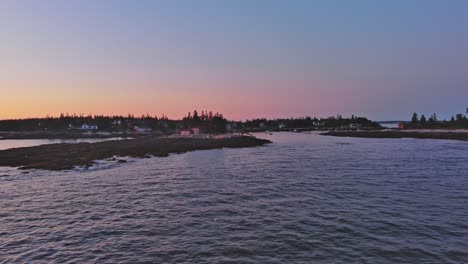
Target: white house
x,y
141,129
88,127
318,123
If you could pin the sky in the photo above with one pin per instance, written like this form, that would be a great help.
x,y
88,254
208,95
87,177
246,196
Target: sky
x,y
243,58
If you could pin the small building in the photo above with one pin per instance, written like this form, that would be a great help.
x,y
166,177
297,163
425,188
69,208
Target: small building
x,y
190,131
88,127
185,133
141,129
401,125
281,125
318,123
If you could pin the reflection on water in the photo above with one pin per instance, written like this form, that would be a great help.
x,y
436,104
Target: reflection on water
x,y
303,199
21,143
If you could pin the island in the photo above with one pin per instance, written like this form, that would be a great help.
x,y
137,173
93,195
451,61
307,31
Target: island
x,y
454,129
68,156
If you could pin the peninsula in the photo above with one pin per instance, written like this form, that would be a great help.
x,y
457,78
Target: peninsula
x,y
430,134
68,156
454,129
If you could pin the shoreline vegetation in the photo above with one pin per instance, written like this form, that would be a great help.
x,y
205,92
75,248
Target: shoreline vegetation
x,y
459,121
72,126
205,122
68,156
419,127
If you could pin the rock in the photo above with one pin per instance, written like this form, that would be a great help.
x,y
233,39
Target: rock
x,y
68,156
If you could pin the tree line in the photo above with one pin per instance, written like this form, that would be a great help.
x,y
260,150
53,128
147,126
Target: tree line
x,y
211,123
311,122
457,121
207,121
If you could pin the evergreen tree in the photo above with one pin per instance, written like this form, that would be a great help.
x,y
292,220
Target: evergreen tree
x,y
432,120
196,118
423,121
415,120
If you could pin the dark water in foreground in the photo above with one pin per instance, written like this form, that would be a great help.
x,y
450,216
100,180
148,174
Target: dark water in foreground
x,y
22,143
303,199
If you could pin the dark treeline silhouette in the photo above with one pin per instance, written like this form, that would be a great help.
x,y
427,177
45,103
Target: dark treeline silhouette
x,y
209,122
66,121
206,121
308,122
457,121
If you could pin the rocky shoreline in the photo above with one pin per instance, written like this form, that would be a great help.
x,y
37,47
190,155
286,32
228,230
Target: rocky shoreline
x,y
68,156
400,134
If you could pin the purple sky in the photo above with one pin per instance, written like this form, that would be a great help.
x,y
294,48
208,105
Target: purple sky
x,y
380,59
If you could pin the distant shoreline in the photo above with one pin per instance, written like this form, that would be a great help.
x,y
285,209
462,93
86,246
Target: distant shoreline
x,y
423,134
68,156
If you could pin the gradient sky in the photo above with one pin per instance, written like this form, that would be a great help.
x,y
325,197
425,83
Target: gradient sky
x,y
244,58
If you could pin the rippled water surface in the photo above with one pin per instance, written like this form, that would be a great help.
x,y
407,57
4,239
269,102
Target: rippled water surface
x,y
304,199
21,143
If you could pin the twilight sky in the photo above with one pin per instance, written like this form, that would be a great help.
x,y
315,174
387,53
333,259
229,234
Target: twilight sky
x,y
244,58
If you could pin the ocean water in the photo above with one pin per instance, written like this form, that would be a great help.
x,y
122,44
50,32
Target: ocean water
x,y
21,143
303,199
